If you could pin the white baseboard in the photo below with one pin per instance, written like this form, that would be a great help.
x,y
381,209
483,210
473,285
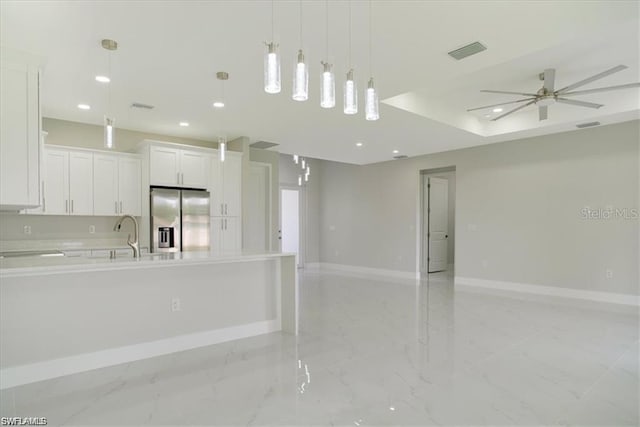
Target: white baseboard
x,y
598,296
39,371
356,269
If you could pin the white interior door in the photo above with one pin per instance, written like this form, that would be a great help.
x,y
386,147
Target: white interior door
x,y
257,226
438,190
290,221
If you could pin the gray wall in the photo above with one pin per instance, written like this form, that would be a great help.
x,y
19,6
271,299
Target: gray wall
x,y
518,210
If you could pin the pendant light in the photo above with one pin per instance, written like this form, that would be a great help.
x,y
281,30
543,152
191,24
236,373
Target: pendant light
x,y
222,76
300,72
295,159
328,81
109,121
272,63
350,88
371,95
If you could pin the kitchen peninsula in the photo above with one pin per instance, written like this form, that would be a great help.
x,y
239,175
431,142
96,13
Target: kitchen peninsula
x,y
61,316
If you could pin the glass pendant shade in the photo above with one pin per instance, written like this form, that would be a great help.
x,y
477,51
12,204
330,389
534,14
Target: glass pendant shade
x,y
222,148
295,159
371,102
300,180
109,129
272,69
328,87
300,79
350,94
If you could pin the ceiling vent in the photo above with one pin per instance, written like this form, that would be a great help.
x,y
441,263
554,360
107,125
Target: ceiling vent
x,y
400,157
143,106
263,145
468,50
587,125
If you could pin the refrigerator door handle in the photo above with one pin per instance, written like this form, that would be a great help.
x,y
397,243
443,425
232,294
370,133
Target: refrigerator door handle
x,y
116,202
178,178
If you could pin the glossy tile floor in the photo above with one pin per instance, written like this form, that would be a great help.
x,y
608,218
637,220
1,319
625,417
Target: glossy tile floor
x,y
378,352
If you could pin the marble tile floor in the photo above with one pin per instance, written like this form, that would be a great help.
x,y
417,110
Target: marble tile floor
x,y
378,352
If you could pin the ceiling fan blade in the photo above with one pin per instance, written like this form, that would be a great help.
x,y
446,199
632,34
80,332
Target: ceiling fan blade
x,y
602,89
542,111
579,103
498,105
549,79
513,111
509,93
592,78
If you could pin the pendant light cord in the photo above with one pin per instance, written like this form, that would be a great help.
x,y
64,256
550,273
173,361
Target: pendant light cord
x,y
350,35
327,29
272,20
300,4
370,32
109,84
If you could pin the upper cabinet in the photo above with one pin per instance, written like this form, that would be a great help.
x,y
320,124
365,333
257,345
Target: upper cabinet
x,y
116,184
178,167
68,182
20,128
226,185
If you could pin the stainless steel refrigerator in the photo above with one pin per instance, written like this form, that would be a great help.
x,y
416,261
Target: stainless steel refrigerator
x,y
179,220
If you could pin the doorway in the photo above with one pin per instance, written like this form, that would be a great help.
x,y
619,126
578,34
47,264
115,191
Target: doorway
x,y
438,190
290,223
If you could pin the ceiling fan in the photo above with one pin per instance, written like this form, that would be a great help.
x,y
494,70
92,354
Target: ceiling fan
x,y
547,95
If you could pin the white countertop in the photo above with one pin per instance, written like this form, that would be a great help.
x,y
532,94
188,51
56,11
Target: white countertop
x,y
26,266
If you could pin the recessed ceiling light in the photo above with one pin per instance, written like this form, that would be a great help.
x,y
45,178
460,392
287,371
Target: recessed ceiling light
x,y
218,104
103,79
497,110
84,107
184,124
395,151
359,144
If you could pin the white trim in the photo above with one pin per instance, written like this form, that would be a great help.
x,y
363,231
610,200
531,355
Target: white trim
x,y
39,371
598,296
369,271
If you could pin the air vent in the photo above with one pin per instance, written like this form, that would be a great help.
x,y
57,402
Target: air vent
x,y
263,145
587,125
143,106
468,50
400,157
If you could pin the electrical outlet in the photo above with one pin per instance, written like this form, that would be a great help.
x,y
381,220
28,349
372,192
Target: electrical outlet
x,y
175,304
27,229
609,273
92,229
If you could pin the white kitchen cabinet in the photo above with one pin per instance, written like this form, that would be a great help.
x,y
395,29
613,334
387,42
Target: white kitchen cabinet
x,y
20,142
175,167
68,182
116,185
225,235
226,185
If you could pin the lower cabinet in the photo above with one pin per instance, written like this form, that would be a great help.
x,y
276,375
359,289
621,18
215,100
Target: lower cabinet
x,y
225,235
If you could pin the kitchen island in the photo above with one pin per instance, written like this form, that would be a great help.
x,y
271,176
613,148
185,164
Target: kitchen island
x,y
61,316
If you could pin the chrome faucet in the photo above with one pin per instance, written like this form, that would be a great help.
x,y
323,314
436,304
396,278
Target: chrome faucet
x,y
135,245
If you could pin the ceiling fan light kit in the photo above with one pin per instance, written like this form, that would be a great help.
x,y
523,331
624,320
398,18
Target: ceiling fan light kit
x,y
547,95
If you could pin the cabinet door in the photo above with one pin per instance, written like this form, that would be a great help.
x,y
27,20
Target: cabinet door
x,y
215,187
232,185
129,186
217,231
231,235
105,185
81,183
194,169
19,137
165,166
56,182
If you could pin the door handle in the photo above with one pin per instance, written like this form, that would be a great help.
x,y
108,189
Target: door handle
x,y
66,206
116,206
225,209
178,178
71,205
225,223
44,200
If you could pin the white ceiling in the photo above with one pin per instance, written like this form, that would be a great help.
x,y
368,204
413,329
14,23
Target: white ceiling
x,y
169,52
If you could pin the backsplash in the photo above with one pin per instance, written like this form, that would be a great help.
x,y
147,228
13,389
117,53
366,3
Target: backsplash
x,y
26,232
